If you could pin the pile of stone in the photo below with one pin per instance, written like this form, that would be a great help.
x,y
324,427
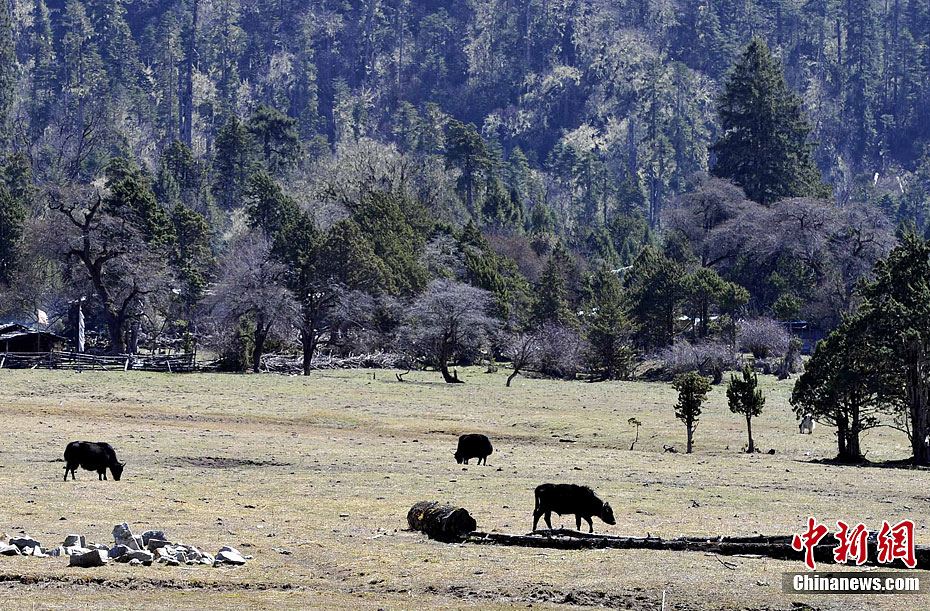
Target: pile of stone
x,y
151,546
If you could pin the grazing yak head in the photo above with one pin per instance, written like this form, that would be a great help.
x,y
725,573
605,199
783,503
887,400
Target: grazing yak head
x,y
607,514
117,470
459,457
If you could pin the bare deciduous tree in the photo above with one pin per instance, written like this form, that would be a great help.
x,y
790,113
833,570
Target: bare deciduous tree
x,y
250,284
446,324
523,350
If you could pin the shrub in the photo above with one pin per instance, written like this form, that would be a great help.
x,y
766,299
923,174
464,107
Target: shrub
x,y
763,337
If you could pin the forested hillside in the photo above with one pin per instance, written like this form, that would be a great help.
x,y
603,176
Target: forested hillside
x,y
283,171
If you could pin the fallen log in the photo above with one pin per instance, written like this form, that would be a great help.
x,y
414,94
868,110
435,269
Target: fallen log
x,y
776,547
440,522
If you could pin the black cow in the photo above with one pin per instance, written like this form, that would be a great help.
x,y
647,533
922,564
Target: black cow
x,y
92,456
570,498
473,445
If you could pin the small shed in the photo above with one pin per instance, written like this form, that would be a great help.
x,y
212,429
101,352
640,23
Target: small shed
x,y
20,338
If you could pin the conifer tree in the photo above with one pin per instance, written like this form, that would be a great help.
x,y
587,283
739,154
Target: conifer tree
x,y
763,145
745,398
608,329
692,390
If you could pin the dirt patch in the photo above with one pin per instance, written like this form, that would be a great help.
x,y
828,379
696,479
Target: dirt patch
x,y
224,462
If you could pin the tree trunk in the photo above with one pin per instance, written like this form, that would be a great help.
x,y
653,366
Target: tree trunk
x,y
308,344
186,81
512,376
448,376
842,426
258,349
115,331
441,522
918,403
752,446
690,436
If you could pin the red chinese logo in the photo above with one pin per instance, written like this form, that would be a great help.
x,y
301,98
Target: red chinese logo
x,y
808,541
897,543
892,543
852,543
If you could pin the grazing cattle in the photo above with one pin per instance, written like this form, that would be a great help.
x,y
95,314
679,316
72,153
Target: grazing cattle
x,y
807,424
92,456
473,445
570,498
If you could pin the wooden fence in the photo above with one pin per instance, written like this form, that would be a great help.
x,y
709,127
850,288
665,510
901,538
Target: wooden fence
x,y
173,363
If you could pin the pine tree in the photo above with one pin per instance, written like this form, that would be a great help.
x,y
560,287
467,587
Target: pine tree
x,y
12,219
657,289
43,69
466,150
349,259
8,70
692,390
192,257
763,146
745,397
608,329
233,163
553,303
277,137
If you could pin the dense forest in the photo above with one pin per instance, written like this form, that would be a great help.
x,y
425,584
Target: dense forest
x,y
446,179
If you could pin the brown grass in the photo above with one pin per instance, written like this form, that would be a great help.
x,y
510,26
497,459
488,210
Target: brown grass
x,y
326,467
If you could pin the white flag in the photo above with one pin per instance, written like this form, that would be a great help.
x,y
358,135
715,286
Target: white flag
x,y
42,316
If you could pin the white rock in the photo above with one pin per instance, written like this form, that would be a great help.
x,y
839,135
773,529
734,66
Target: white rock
x,y
153,544
229,555
24,541
75,551
9,550
138,554
90,559
135,562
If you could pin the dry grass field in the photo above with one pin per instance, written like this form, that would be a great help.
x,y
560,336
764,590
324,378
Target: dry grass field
x,y
314,477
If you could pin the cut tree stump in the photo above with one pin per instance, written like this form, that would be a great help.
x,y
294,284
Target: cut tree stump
x,y
440,522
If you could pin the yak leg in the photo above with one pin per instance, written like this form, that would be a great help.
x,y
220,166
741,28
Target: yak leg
x,y
536,516
590,525
548,521
66,472
577,522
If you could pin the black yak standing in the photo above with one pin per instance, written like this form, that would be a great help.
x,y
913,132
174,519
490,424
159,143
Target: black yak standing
x,y
473,445
570,498
92,456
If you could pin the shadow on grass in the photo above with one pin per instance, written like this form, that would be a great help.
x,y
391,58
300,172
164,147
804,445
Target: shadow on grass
x,y
905,463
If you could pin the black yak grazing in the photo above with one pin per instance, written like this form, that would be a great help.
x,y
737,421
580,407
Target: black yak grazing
x,y
473,445
570,498
92,456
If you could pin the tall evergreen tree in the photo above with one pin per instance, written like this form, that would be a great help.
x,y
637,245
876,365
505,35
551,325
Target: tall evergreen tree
x,y
233,163
12,219
608,329
763,146
8,71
